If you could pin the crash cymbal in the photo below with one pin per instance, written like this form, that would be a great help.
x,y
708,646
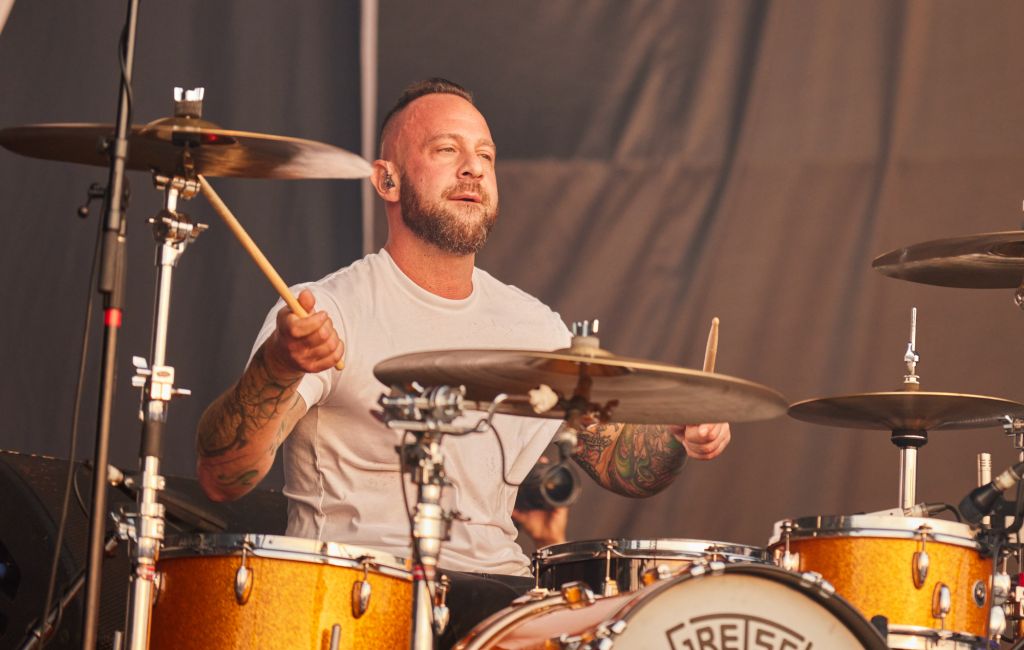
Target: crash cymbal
x,y
907,411
635,390
992,260
213,151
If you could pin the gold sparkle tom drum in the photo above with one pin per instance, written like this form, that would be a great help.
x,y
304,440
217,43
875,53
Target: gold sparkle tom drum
x,y
266,591
930,578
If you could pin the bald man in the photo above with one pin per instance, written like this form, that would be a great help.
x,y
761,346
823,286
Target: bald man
x,y
422,291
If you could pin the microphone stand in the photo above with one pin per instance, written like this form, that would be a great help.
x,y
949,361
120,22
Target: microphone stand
x,y
111,286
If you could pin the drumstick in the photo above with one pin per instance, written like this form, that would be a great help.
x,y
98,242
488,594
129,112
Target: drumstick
x,y
254,251
711,352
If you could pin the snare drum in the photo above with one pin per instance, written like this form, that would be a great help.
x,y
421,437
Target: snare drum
x,y
266,591
709,606
611,566
929,578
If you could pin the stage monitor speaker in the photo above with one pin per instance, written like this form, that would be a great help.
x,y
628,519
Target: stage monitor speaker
x,y
33,488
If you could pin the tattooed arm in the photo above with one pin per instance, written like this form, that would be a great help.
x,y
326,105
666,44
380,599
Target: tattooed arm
x,y
638,460
240,433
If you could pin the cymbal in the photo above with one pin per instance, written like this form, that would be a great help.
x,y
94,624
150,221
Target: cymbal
x,y
159,146
992,260
907,410
637,391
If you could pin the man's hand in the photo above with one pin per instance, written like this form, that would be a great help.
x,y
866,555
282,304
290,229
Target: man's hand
x,y
545,527
703,441
301,345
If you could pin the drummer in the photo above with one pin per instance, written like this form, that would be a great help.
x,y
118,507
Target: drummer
x,y
422,291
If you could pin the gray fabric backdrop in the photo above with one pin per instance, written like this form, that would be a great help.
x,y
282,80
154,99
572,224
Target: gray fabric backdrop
x,y
660,163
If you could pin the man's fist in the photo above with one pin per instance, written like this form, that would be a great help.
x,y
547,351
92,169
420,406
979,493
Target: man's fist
x,y
704,441
307,344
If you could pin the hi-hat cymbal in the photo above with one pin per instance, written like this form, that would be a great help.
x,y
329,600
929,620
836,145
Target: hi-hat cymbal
x,y
159,146
637,391
992,260
907,411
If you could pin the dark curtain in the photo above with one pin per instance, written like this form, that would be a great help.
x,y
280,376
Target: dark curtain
x,y
660,163
267,67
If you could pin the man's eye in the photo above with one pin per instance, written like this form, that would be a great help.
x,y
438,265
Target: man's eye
x,y
447,149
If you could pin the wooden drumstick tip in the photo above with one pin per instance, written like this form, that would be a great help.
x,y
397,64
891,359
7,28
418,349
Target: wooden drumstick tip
x,y
254,251
711,352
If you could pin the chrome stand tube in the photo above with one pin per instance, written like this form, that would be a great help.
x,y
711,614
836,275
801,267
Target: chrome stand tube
x,y
908,477
145,527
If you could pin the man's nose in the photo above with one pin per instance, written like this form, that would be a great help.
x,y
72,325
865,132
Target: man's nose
x,y
472,166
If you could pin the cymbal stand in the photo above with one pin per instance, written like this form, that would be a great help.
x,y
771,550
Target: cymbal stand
x,y
173,232
910,440
428,414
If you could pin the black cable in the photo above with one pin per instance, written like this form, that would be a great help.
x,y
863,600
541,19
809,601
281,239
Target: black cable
x,y
69,480
122,53
504,462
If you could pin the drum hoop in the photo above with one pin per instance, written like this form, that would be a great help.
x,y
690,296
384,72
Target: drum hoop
x,y
281,547
932,633
878,526
640,549
835,604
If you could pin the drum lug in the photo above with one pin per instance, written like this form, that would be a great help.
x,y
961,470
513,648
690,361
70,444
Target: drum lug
x,y
655,574
577,594
703,567
361,592
243,584
920,562
243,580
942,602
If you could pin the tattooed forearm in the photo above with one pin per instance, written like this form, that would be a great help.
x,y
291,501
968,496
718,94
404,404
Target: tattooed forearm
x,y
633,460
257,399
646,459
245,479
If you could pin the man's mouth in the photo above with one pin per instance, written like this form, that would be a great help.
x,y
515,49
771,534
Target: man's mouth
x,y
465,197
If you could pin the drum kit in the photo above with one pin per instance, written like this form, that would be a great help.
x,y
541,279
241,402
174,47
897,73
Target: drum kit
x,y
898,579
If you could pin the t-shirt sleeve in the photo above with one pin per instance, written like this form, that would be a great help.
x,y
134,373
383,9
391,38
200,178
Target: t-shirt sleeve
x,y
313,387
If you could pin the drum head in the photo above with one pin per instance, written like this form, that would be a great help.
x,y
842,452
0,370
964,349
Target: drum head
x,y
744,606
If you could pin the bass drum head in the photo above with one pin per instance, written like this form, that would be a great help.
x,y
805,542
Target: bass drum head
x,y
745,607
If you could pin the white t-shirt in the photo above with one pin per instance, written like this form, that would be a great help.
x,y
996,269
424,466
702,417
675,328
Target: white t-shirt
x,y
341,467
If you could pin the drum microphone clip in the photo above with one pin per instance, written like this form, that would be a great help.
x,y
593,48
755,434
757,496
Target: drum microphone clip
x,y
982,500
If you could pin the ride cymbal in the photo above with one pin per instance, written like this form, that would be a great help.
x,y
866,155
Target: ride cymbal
x,y
992,260
633,390
212,151
907,411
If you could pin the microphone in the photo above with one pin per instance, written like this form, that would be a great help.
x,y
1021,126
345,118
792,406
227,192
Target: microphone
x,y
982,500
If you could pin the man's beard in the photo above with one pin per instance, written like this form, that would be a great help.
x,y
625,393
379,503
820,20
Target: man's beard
x,y
459,230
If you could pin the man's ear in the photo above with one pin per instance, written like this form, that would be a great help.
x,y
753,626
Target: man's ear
x,y
385,180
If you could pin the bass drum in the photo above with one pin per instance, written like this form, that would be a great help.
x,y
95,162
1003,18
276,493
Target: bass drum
x,y
611,566
711,605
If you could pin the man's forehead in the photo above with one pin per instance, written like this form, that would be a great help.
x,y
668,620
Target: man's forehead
x,y
437,115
